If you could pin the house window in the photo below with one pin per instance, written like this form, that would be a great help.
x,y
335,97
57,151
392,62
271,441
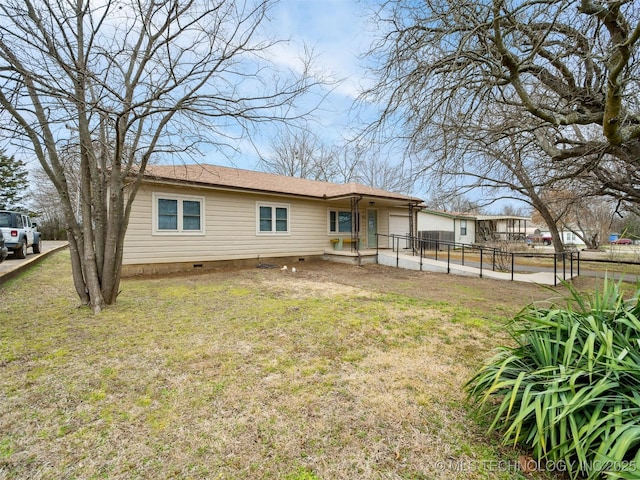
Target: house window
x,y
463,227
178,213
273,219
340,221
167,214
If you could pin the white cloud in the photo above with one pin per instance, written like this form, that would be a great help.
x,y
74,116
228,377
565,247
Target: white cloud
x,y
333,29
336,34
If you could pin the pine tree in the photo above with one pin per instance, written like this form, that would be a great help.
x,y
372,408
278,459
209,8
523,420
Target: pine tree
x,y
13,182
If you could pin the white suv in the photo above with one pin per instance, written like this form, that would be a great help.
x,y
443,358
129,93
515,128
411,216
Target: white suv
x,y
3,250
19,233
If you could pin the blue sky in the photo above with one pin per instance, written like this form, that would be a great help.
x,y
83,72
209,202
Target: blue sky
x,y
337,32
335,29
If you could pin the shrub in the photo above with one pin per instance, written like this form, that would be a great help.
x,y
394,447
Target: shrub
x,y
569,389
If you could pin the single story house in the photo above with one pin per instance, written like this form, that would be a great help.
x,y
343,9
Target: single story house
x,y
446,226
491,228
568,237
196,216
470,228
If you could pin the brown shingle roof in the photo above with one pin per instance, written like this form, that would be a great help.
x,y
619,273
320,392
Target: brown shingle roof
x,y
227,177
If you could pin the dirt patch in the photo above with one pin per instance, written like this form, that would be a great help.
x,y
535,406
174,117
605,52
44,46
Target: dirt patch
x,y
331,278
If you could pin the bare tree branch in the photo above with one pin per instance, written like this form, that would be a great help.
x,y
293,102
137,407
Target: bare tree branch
x,y
563,74
127,81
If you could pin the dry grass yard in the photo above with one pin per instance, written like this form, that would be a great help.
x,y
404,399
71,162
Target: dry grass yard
x,y
334,372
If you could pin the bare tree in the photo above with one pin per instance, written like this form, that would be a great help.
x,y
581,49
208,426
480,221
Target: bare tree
x,y
497,157
346,162
127,81
372,167
45,202
449,201
567,69
44,198
590,218
301,153
628,223
511,210
380,173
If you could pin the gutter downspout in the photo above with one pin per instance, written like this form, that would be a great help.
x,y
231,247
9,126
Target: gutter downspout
x,y
413,224
355,227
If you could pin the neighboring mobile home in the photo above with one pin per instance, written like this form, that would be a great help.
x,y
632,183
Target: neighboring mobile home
x,y
191,216
449,226
490,228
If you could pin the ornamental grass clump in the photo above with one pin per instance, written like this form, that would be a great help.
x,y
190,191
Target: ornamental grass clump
x,y
570,388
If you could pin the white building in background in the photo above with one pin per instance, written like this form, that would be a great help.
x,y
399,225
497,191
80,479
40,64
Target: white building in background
x,y
541,234
447,226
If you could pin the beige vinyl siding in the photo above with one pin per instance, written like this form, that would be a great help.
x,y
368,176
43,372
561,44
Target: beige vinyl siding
x,y
383,228
470,237
230,229
229,226
432,222
385,224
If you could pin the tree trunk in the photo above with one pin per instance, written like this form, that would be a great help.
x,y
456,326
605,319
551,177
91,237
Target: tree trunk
x,y
93,98
76,268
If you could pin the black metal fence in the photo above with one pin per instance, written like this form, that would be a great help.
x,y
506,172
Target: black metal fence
x,y
483,257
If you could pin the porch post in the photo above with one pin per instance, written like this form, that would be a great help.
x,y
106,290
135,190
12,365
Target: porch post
x,y
355,224
412,228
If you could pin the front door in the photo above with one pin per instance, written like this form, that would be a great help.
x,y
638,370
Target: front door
x,y
372,228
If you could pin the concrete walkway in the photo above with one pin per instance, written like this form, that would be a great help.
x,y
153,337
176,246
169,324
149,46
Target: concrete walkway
x,y
411,262
12,266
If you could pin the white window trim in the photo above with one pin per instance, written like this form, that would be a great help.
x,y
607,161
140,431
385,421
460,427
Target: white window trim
x,y
273,226
170,196
465,225
337,233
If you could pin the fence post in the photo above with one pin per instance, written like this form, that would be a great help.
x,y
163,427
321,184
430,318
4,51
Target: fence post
x,y
564,265
398,254
481,250
512,262
555,269
463,254
494,260
448,258
571,269
421,253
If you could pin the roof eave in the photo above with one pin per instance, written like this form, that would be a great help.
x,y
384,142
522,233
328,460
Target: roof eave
x,y
208,185
213,186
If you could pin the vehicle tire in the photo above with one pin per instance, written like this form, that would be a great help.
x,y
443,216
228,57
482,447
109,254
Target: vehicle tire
x,y
36,247
22,251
